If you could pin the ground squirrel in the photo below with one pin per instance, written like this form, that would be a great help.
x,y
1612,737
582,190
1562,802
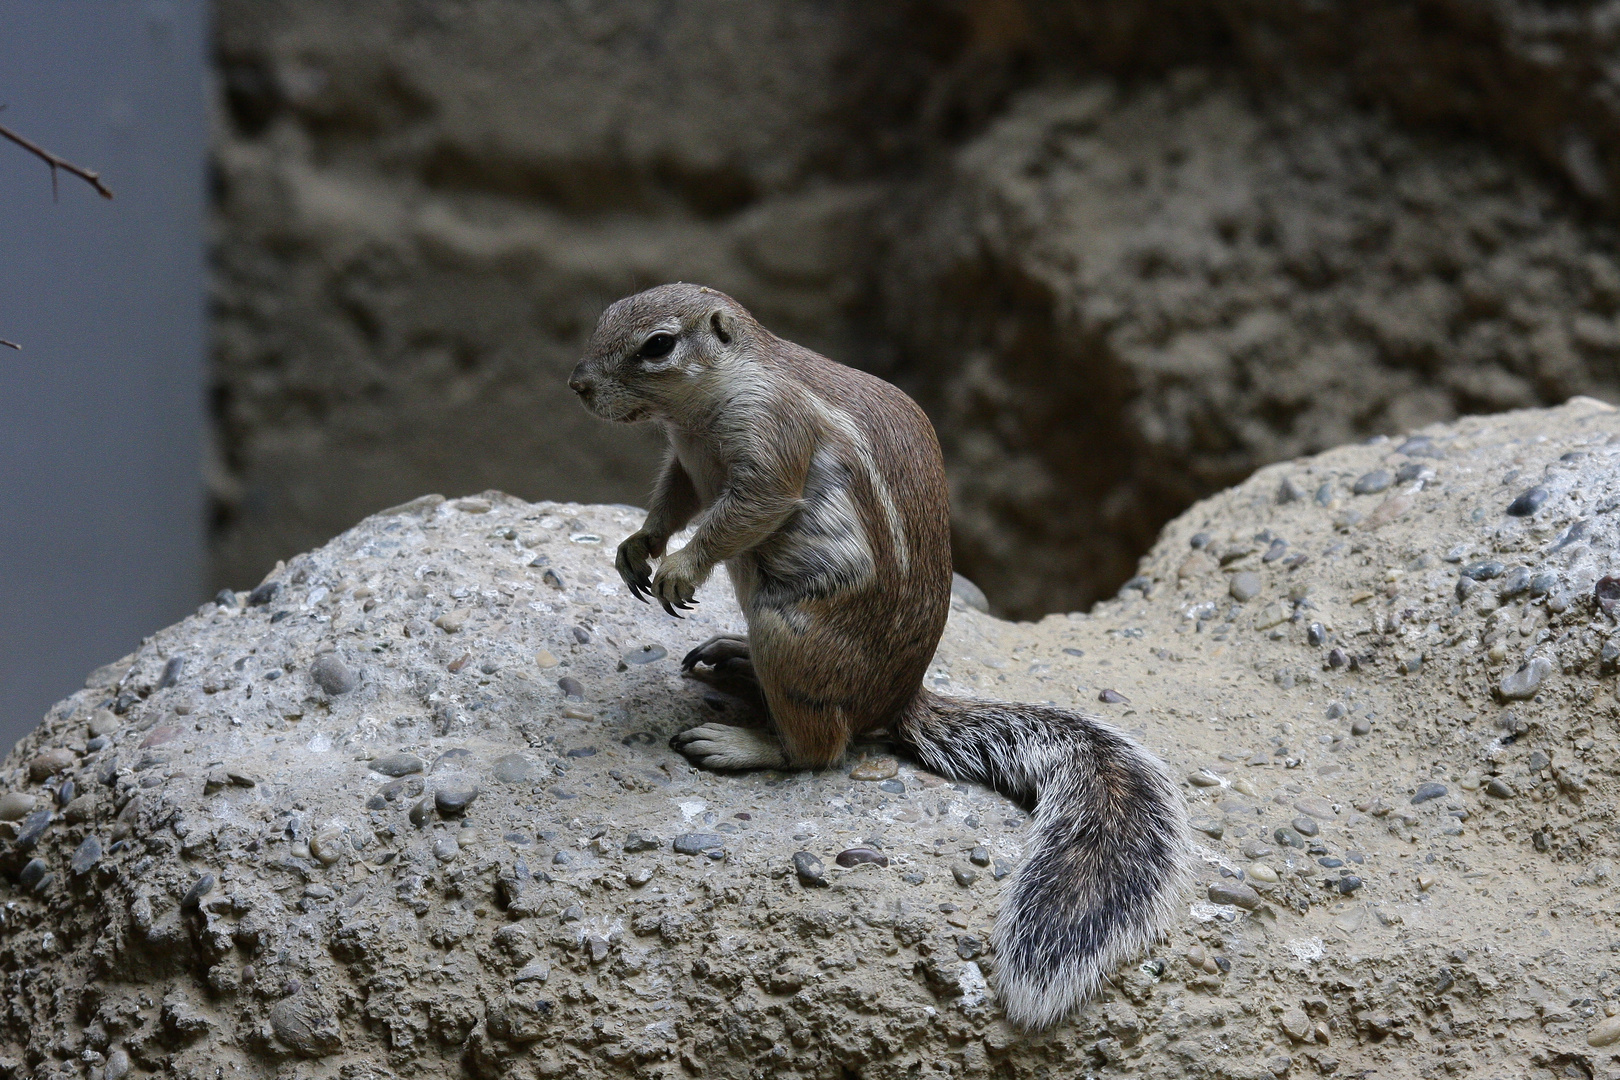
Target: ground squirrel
x,y
823,491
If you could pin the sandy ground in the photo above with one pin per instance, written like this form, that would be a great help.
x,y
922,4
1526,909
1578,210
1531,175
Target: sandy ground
x,y
409,809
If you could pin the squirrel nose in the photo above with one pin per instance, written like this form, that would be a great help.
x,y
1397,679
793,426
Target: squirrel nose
x,y
578,383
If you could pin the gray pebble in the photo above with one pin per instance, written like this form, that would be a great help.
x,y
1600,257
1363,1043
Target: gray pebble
x,y
1245,586
571,913
512,769
639,876
641,842
1419,446
1235,893
1113,697
199,889
33,827
979,856
698,843
645,655
969,594
1484,570
419,813
1499,788
333,675
969,947
1209,827
265,593
1256,849
86,855
1528,502
893,787
1200,540
964,877
1305,825
397,764
1427,791
855,856
15,805
582,635
1288,838
445,848
571,687
1466,587
1288,491
1002,869
1360,727
1372,483
1316,808
454,796
1316,634
117,1066
1538,761
407,788
450,757
563,858
1412,470
913,878
1543,583
33,872
1277,550
1523,683
1335,710
811,873
1517,581
1324,495
171,672
1349,884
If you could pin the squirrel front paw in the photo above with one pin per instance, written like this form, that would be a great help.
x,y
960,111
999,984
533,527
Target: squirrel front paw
x,y
634,562
677,581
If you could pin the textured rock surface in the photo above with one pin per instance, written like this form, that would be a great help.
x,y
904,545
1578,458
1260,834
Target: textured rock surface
x,y
1400,872
422,207
1129,299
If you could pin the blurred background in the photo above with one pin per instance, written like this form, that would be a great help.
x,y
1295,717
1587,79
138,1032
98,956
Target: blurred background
x,y
1123,251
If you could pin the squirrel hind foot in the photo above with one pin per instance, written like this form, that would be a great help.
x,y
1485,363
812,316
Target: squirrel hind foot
x,y
722,746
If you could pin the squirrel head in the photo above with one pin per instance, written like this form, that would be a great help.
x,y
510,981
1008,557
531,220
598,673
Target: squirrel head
x,y
659,354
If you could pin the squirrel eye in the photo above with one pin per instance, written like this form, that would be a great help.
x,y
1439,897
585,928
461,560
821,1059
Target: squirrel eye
x,y
656,346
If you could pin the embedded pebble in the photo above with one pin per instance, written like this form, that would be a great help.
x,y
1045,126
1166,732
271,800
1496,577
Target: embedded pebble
x,y
1372,483
454,796
327,846
16,805
698,843
545,659
1528,502
1256,849
333,675
645,655
1360,726
445,848
397,764
452,622
1245,586
1209,827
893,787
874,769
33,872
264,593
117,1066
1203,779
856,856
1522,684
1605,1032
1296,1025
1305,826
1262,872
1515,582
964,876
636,842
1485,570
571,687
419,813
1235,893
1427,791
1113,697
45,765
1316,634
1316,808
103,722
979,856
86,855
1349,884
639,876
809,869
1499,788
582,636
199,889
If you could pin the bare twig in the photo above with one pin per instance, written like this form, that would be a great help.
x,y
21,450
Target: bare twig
x,y
89,177
9,344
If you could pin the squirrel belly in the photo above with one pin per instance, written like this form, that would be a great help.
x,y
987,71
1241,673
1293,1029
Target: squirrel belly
x,y
822,491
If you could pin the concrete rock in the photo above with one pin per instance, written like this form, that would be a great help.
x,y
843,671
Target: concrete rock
x,y
501,959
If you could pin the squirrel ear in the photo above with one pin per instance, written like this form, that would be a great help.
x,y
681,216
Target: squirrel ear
x,y
720,324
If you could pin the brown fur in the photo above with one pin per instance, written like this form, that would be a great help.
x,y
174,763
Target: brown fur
x,y
748,418
822,490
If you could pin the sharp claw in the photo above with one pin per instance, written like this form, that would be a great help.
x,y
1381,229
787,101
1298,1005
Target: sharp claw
x,y
668,608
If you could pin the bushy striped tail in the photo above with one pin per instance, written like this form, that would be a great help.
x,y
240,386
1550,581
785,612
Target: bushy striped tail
x,y
1108,862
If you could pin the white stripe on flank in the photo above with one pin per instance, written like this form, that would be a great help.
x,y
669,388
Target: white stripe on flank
x,y
840,421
